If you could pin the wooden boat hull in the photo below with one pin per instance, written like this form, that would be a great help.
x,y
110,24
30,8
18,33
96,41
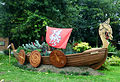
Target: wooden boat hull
x,y
92,58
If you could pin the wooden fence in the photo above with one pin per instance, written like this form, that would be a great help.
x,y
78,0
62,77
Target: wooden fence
x,y
3,43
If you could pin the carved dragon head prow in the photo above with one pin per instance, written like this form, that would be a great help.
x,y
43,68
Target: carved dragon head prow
x,y
105,32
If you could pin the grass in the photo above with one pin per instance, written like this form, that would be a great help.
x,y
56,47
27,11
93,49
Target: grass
x,y
11,73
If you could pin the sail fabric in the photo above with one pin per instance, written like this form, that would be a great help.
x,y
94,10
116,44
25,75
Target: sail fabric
x,y
58,37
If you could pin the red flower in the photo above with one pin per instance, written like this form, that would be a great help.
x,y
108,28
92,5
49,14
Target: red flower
x,y
75,44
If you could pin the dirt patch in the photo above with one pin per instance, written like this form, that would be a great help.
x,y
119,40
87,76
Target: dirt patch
x,y
69,70
64,70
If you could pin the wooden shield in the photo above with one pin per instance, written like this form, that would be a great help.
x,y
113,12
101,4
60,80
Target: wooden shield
x,y
21,57
57,58
35,58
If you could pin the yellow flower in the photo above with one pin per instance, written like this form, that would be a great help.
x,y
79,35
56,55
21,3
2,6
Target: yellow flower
x,y
81,46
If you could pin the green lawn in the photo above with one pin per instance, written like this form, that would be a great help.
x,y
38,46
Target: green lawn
x,y
11,73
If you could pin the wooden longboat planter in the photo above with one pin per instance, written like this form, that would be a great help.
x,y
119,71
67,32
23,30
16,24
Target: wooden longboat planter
x,y
93,58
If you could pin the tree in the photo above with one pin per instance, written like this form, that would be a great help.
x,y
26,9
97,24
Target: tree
x,y
26,20
94,12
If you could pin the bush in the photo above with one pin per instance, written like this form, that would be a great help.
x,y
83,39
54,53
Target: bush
x,y
19,48
111,61
82,46
62,72
49,71
69,73
114,61
68,49
105,65
6,52
42,48
111,48
86,73
118,53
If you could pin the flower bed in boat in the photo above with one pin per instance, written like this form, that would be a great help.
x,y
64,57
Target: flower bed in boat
x,y
34,51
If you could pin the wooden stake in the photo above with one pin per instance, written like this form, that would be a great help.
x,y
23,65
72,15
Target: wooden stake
x,y
9,55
